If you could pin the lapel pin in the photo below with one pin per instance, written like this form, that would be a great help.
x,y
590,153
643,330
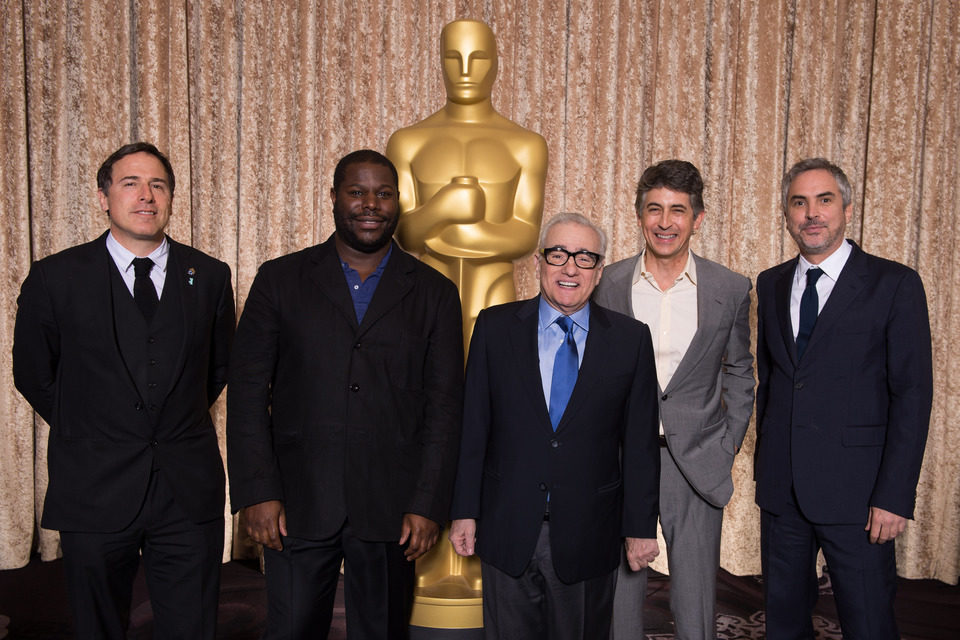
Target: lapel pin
x,y
190,273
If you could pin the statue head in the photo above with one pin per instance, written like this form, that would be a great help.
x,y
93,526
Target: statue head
x,y
468,53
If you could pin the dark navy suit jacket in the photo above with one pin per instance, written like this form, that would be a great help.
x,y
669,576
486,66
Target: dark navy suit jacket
x,y
601,467
846,425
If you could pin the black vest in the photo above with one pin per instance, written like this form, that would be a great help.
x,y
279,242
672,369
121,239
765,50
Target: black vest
x,y
152,350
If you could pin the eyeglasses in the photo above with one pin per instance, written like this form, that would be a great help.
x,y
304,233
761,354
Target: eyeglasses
x,y
558,256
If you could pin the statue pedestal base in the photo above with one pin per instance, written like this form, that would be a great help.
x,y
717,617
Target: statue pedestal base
x,y
449,603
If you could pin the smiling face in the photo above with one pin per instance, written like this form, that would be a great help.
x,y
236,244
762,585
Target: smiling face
x,y
138,202
468,52
568,288
815,215
668,221
366,207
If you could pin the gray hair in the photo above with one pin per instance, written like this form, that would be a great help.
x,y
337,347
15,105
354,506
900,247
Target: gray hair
x,y
574,218
810,164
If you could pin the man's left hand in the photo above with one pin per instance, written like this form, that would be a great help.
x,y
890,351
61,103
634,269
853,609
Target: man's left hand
x,y
419,533
883,525
641,552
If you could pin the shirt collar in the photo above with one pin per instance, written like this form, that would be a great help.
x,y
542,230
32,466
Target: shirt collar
x,y
689,270
549,315
831,266
376,272
124,257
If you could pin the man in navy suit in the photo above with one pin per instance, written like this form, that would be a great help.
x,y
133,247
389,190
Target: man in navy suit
x,y
843,405
121,345
559,457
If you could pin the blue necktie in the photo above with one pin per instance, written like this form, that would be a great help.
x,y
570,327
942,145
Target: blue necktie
x,y
565,365
809,307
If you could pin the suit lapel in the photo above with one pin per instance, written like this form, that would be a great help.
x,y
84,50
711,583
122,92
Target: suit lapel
x,y
181,280
327,274
523,342
394,285
709,310
852,280
99,295
781,301
599,343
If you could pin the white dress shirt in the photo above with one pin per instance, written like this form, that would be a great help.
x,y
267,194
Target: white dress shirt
x,y
831,266
671,315
123,258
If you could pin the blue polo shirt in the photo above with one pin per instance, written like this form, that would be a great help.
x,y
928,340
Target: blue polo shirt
x,y
361,291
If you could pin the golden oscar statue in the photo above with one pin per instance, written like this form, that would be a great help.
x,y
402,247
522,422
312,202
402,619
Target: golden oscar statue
x,y
471,195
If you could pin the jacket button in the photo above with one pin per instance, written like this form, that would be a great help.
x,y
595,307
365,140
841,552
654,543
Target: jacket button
x,y
153,361
354,387
664,397
138,406
151,340
798,386
154,443
543,486
356,346
554,443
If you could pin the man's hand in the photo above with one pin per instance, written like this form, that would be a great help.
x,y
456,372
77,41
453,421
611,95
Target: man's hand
x,y
420,533
463,535
641,552
883,525
266,522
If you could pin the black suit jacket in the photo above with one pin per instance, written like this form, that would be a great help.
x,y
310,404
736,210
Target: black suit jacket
x,y
340,420
601,467
103,439
846,425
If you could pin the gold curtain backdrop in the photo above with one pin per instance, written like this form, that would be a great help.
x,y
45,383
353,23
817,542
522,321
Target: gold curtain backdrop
x,y
255,101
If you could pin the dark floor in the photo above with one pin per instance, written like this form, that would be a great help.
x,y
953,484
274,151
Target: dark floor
x,y
33,605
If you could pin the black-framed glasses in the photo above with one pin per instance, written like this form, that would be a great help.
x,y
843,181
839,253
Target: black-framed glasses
x,y
558,256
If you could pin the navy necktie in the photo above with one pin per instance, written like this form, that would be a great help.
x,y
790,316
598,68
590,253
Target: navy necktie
x,y
565,366
144,291
809,307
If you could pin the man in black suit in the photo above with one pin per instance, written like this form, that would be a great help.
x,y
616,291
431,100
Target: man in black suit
x,y
121,345
559,457
843,404
344,412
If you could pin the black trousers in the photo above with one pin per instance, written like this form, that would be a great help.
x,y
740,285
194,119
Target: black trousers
x,y
537,605
863,577
181,562
302,582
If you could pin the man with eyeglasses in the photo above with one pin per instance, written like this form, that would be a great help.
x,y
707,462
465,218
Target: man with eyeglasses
x,y
698,312
559,458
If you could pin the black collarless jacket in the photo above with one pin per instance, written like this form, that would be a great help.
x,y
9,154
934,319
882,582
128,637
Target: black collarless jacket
x,y
340,420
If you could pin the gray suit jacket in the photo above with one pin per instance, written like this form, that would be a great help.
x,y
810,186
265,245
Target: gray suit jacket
x,y
707,405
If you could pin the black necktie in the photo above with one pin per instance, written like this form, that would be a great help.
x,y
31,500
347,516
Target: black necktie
x,y
809,307
144,292
565,369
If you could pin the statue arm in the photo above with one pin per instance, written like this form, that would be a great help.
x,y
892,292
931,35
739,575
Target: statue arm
x,y
516,236
461,200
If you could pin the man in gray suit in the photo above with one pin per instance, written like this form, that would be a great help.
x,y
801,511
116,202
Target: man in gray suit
x,y
698,313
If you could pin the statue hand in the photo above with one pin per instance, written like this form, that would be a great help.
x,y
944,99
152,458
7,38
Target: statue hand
x,y
462,200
